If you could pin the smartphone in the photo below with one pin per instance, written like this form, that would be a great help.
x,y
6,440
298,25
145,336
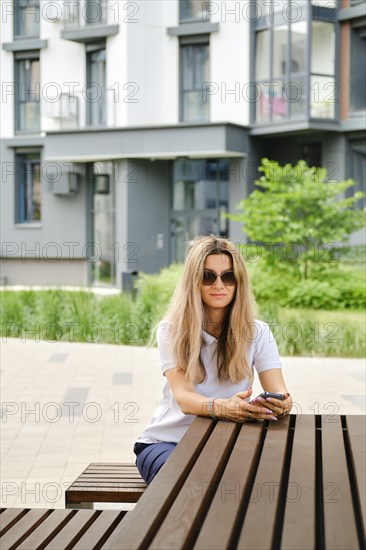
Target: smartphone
x,y
266,394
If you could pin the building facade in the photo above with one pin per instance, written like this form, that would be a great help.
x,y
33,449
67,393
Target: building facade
x,y
129,127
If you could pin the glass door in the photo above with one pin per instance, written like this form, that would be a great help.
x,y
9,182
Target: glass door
x,y
200,196
103,225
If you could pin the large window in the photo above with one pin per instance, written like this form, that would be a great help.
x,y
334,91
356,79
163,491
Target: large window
x,y
294,60
358,72
79,13
322,84
193,10
28,188
96,86
200,198
95,12
195,105
27,93
26,18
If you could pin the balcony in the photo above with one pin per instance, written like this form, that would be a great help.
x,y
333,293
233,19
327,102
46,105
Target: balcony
x,y
79,111
88,20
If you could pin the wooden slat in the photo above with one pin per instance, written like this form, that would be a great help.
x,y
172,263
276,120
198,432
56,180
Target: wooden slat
x,y
9,517
180,526
339,517
131,496
100,477
100,530
259,521
233,489
102,467
105,471
23,528
46,530
110,484
356,429
299,521
110,464
73,531
162,491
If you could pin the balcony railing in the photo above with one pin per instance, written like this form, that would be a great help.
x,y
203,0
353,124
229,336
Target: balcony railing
x,y
72,111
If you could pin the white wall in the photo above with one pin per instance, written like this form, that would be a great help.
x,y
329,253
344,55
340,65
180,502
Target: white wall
x,y
153,59
229,63
7,94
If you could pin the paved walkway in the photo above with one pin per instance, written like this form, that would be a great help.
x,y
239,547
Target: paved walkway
x,y
67,404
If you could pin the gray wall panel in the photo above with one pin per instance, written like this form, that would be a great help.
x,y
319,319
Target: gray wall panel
x,y
61,234
145,188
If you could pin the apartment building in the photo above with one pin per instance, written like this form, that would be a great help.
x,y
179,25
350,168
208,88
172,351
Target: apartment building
x,y
131,126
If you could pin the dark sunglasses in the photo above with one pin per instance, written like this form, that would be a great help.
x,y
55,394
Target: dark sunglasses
x,y
209,277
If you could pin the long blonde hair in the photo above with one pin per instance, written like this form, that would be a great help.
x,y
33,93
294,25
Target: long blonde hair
x,y
187,317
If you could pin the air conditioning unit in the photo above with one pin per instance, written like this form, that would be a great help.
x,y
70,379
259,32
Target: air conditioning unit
x,y
65,181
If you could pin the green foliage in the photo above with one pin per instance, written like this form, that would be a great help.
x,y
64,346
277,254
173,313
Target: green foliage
x,y
315,333
312,294
297,208
123,319
87,317
154,293
329,288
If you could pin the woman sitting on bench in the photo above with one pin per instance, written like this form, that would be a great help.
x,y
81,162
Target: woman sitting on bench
x,y
209,343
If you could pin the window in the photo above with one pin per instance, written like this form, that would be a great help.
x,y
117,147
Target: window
x,y
26,18
358,71
96,86
322,84
27,94
28,188
193,10
200,198
95,12
283,65
194,72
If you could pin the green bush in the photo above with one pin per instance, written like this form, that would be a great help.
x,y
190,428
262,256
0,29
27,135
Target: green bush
x,y
312,294
342,287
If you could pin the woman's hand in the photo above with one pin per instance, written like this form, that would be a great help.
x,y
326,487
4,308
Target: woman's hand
x,y
279,408
239,410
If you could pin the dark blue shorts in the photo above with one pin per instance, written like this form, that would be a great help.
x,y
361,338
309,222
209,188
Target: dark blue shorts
x,y
150,457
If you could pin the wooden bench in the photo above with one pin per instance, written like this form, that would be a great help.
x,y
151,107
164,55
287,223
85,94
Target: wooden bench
x,y
298,483
56,529
101,482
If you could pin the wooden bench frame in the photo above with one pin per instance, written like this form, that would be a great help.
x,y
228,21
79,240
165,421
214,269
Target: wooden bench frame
x,y
105,482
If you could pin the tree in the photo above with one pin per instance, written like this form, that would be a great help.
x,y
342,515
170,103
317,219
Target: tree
x,y
298,212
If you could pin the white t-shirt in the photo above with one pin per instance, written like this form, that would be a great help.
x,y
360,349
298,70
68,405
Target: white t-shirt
x,y
169,423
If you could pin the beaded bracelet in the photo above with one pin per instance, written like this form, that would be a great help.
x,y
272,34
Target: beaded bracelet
x,y
210,407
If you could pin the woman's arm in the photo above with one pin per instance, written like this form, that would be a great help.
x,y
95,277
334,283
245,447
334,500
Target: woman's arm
x,y
272,380
235,408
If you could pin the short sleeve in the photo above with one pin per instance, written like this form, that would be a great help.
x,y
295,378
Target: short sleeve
x,y
163,341
266,354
